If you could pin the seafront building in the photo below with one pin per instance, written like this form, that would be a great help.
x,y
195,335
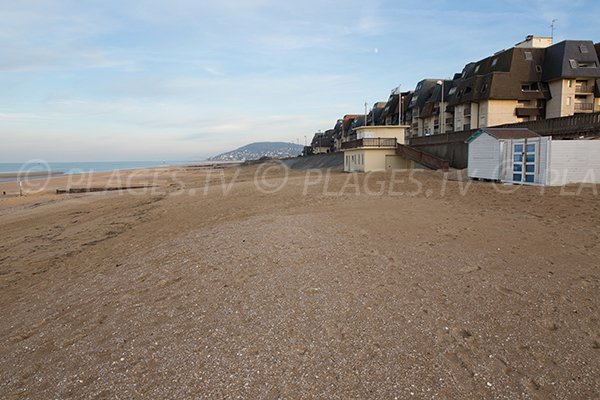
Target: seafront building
x,y
534,84
533,80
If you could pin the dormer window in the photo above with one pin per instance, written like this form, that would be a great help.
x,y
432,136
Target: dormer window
x,y
573,63
583,48
451,91
494,62
476,69
586,64
529,56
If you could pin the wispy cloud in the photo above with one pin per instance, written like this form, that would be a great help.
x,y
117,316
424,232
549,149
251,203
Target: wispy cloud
x,y
187,77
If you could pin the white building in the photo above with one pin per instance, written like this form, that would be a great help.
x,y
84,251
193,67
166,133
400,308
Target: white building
x,y
524,157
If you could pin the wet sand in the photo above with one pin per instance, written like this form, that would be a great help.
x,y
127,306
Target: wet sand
x,y
207,286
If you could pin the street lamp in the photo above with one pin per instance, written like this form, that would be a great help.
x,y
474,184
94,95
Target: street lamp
x,y
442,113
400,115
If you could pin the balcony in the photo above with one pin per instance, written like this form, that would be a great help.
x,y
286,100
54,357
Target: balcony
x,y
584,107
467,112
527,112
587,89
369,143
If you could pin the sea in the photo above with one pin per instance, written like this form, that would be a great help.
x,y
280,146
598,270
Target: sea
x,y
70,168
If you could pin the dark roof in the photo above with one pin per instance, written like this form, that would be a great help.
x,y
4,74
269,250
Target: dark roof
x,y
503,77
504,133
423,92
571,59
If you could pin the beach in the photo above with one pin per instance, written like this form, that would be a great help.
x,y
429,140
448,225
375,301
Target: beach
x,y
264,282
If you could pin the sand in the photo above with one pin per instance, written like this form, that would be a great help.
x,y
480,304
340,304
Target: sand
x,y
262,283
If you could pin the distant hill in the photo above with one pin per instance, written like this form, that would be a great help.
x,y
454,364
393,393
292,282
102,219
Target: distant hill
x,y
254,151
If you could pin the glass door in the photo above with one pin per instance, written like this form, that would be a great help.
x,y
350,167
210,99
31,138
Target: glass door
x,y
524,160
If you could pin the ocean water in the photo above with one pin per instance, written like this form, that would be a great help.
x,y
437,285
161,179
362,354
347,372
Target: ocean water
x,y
81,167
69,168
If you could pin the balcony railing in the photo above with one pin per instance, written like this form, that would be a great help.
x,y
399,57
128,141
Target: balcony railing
x,y
584,106
584,89
369,142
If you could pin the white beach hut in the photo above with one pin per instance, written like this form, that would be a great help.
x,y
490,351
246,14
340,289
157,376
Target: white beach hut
x,y
524,157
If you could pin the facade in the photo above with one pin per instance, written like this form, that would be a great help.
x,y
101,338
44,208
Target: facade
x,y
323,142
531,81
375,150
571,70
521,156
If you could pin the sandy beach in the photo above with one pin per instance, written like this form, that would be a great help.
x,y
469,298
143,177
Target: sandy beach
x,y
258,282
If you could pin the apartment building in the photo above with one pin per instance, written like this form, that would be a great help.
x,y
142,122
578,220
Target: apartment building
x,y
530,81
571,70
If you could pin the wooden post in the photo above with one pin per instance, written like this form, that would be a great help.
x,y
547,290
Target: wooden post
x,y
20,188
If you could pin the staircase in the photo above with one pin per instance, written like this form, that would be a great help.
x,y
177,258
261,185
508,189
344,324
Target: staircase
x,y
418,156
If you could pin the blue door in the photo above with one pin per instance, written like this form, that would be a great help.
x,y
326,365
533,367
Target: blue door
x,y
524,162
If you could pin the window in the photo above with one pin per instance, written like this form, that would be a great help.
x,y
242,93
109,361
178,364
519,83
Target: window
x,y
538,69
530,168
570,83
529,56
518,148
452,91
419,86
586,64
583,48
529,178
476,69
518,168
531,148
573,63
568,102
518,157
494,62
530,158
517,177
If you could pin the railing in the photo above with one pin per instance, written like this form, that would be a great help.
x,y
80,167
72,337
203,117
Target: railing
x,y
369,142
584,89
559,128
467,112
584,106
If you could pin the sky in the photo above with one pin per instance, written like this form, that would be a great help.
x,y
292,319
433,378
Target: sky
x,y
188,79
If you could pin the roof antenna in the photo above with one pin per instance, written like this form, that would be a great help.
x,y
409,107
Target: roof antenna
x,y
552,27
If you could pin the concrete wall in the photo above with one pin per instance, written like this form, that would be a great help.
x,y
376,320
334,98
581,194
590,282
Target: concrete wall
x,y
366,160
397,162
456,153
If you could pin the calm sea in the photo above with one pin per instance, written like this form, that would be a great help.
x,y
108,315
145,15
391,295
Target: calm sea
x,y
81,167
